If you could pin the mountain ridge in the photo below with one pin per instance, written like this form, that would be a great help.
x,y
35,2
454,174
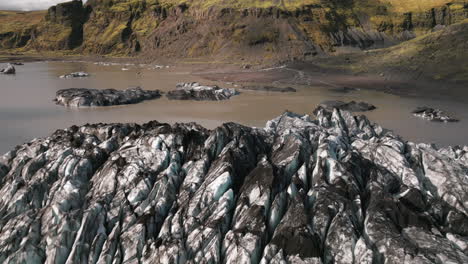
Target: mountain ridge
x,y
273,30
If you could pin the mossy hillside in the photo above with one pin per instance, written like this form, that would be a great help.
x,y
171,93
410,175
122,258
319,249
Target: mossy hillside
x,y
11,21
440,55
16,27
118,27
195,27
53,37
322,20
131,26
399,6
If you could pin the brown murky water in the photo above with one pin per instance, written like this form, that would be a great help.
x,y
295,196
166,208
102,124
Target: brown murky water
x,y
27,110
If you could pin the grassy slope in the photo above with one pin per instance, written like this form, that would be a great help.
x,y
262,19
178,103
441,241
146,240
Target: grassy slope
x,y
16,27
416,5
11,21
104,35
439,55
15,19
395,5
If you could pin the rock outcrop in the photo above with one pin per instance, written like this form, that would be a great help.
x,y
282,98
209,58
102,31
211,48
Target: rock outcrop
x,y
337,189
75,75
83,97
10,69
432,114
62,28
270,89
350,106
197,92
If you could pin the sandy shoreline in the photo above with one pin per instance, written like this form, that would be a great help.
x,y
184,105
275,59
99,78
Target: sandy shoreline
x,y
311,75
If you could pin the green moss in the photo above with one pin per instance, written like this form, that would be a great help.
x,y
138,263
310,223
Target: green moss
x,y
11,21
144,25
440,55
14,18
54,36
400,6
244,4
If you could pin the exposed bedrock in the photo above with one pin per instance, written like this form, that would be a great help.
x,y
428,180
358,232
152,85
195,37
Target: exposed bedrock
x,y
84,97
337,189
198,92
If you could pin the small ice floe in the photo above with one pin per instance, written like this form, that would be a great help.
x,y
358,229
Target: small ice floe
x,y
274,68
157,67
10,69
197,92
435,115
75,75
102,63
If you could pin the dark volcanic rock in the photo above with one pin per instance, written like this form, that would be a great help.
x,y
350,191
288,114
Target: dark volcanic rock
x,y
197,92
270,89
17,63
432,114
351,106
333,190
10,69
83,97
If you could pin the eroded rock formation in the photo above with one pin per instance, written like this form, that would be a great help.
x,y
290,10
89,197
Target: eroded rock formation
x,y
84,97
337,189
198,92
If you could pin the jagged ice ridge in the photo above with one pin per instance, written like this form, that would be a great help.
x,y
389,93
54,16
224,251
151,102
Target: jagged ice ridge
x,y
336,189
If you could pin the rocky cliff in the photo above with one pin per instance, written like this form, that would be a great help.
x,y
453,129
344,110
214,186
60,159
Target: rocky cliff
x,y
62,28
236,29
336,189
